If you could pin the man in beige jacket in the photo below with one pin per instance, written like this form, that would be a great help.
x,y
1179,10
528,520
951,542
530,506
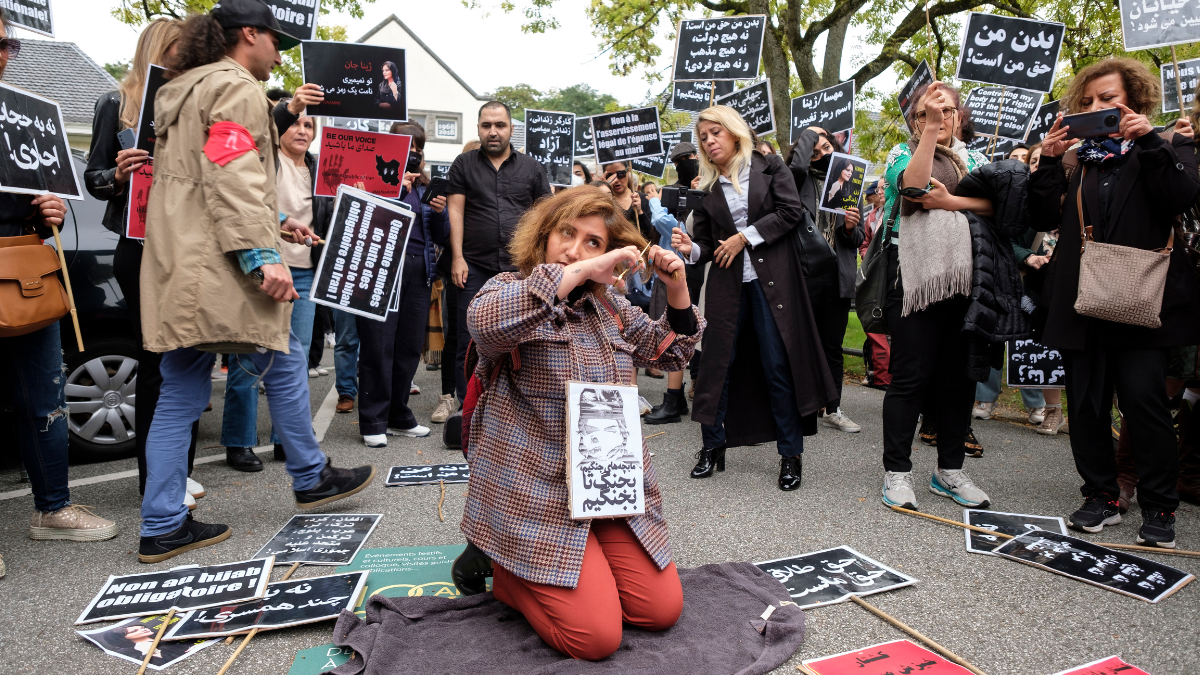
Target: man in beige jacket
x,y
212,278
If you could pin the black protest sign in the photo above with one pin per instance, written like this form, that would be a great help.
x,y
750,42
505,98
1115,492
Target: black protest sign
x,y
753,103
1010,52
122,640
843,187
381,126
922,75
831,109
1042,121
428,474
156,77
1000,148
329,539
360,266
1115,570
438,169
549,138
657,166
1158,24
725,48
583,137
1006,112
691,96
363,81
35,157
32,15
1033,365
287,603
832,576
297,18
180,589
1012,524
1189,75
626,135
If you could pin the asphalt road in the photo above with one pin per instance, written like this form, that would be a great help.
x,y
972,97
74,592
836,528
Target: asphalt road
x,y
1004,617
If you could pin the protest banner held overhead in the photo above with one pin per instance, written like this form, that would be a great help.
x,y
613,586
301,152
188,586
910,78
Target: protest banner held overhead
x,y
351,157
297,18
35,157
180,589
123,639
428,474
549,138
1189,76
1012,524
364,81
1042,121
1006,112
831,109
1158,24
753,103
583,137
328,539
32,15
156,77
1010,52
832,575
724,48
626,135
922,75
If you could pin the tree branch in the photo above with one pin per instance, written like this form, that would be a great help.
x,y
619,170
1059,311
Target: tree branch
x,y
937,34
726,6
912,61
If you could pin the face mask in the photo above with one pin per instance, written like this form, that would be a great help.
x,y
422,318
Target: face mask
x,y
688,169
822,164
576,181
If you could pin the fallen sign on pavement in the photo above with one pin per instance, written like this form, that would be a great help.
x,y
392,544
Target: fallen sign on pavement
x,y
124,641
889,658
1011,524
329,539
1113,665
833,575
430,474
181,588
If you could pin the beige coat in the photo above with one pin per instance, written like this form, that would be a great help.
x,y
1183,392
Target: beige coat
x,y
193,289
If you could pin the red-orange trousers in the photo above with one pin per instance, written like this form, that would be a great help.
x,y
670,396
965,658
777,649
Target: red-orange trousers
x,y
619,582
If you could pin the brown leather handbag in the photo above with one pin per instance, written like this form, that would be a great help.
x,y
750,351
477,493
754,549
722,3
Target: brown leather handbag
x,y
31,294
1120,283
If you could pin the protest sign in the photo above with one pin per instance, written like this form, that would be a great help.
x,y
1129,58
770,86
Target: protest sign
x,y
123,640
889,658
833,575
1158,24
382,126
1004,112
428,474
349,157
1115,570
1012,524
922,75
317,660
287,603
692,96
438,169
364,81
626,135
35,157
1033,365
330,539
297,18
1042,121
1113,665
843,183
583,137
1010,52
724,48
549,138
156,77
656,166
32,15
605,476
139,201
359,269
1000,148
180,589
1189,75
830,109
753,103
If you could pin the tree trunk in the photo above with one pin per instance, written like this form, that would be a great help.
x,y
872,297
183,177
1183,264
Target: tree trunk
x,y
835,43
775,66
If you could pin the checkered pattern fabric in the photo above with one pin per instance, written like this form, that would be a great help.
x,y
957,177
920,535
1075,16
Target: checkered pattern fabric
x,y
517,508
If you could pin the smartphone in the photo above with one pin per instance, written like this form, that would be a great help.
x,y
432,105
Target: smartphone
x,y
1097,123
437,188
127,138
414,163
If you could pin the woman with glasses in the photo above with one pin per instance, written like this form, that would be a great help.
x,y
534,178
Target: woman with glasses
x,y
624,185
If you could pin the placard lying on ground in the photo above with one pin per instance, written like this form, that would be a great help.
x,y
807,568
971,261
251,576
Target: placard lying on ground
x,y
35,157
1011,52
698,95
156,77
583,137
725,48
549,138
328,539
366,81
843,186
287,603
1159,24
831,109
182,588
1042,121
131,639
297,18
1115,570
922,75
833,575
1189,74
139,201
360,267
1012,524
1016,109
1113,665
626,135
1033,365
889,658
605,476
429,474
656,166
32,15
317,660
350,157
408,572
753,103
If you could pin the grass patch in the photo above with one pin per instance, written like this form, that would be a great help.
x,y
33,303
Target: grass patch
x,y
855,337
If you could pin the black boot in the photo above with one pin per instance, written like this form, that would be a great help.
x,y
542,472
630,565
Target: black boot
x,y
335,484
708,459
470,571
791,469
673,407
280,453
243,459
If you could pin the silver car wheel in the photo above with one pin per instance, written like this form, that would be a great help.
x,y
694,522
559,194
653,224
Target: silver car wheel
x,y
101,395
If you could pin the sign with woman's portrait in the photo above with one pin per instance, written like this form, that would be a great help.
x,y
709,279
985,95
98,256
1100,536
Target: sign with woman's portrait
x,y
359,81
605,473
131,640
843,187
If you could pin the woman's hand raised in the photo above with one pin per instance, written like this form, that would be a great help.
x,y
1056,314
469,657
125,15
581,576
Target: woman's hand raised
x,y
665,263
680,241
1057,140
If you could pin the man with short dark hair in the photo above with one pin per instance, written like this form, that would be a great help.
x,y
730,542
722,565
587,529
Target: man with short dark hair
x,y
490,189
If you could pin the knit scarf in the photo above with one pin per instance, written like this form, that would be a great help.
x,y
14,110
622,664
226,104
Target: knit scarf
x,y
1103,151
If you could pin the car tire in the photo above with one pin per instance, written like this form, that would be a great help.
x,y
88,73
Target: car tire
x,y
100,392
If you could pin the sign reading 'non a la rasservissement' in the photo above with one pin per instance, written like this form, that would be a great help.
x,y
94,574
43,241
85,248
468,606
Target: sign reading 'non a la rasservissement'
x,y
626,135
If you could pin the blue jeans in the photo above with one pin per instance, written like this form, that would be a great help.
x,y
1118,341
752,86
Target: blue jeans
x,y
31,368
239,425
186,387
790,439
989,391
345,353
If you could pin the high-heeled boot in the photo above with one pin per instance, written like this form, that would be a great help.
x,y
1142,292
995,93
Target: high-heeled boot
x,y
708,459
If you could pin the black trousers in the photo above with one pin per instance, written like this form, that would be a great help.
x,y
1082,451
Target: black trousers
x,y
1139,377
476,278
389,352
929,356
321,325
449,334
127,268
695,283
831,313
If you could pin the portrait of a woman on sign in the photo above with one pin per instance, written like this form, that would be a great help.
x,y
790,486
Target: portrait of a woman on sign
x,y
389,88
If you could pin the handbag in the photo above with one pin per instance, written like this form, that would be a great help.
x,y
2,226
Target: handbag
x,y
1120,283
870,282
31,294
817,257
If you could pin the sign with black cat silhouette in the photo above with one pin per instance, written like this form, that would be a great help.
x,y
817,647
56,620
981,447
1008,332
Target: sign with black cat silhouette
x,y
350,157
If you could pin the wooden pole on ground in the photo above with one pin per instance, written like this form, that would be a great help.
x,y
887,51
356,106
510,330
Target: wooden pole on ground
x,y
166,621
254,631
443,498
1178,82
917,634
62,260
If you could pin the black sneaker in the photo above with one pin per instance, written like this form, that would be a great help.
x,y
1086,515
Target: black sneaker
x,y
1158,529
971,445
191,535
335,484
1095,513
928,433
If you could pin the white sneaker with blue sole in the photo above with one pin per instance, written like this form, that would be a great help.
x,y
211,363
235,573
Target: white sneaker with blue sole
x,y
957,485
898,490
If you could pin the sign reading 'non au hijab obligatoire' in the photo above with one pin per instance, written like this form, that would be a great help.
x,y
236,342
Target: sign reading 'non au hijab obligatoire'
x,y
832,576
35,157
180,589
753,103
549,138
831,109
725,48
626,135
328,539
1159,23
297,18
1006,112
1010,52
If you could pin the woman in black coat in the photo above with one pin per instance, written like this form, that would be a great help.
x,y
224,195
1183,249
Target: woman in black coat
x,y
1133,184
763,377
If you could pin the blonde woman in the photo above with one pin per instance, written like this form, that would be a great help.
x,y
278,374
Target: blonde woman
x,y
744,226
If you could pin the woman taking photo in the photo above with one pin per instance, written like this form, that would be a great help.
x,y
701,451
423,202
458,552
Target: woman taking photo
x,y
389,89
555,320
763,377
624,185
1128,187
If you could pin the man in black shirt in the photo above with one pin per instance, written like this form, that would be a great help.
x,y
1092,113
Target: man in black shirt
x,y
490,189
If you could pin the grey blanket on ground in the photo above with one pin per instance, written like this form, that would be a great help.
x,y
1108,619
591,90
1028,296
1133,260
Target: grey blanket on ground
x,y
721,631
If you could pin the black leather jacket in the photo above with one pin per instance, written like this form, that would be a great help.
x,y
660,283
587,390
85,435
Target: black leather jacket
x,y
100,175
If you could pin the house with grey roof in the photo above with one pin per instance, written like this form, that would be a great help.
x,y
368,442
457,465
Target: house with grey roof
x,y
61,72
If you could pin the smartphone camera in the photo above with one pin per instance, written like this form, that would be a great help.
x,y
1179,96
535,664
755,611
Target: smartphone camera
x,y
1110,120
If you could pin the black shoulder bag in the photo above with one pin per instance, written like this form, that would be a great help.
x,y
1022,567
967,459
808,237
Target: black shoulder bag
x,y
870,282
817,257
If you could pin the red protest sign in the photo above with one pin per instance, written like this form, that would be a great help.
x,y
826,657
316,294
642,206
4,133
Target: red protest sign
x,y
900,656
1113,665
350,157
139,198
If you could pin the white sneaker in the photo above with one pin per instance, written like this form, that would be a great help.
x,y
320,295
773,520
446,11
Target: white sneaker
x,y
838,420
375,441
983,410
321,371
1037,415
413,389
330,340
195,489
189,501
415,432
445,408
312,372
1054,421
644,406
898,490
957,485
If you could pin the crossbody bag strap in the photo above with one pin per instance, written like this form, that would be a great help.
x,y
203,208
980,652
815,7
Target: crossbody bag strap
x,y
1083,233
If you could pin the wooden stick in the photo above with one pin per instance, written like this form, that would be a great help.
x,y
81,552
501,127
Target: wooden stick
x,y
640,255
290,237
161,629
999,111
253,631
653,435
913,632
440,516
1178,82
62,260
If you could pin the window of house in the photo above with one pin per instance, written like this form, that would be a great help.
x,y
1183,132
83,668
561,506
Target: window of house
x,y
447,128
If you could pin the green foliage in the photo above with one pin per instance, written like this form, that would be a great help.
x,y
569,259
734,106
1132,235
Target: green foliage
x,y
579,99
118,69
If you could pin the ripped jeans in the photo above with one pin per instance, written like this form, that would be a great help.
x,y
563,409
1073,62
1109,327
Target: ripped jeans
x,y
32,381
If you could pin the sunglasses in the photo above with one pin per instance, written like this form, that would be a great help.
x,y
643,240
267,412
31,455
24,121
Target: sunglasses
x,y
10,45
619,174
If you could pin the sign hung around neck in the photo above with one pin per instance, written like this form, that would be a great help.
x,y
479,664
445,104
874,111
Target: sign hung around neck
x,y
359,81
1010,52
605,473
35,157
724,48
626,135
549,138
1158,23
831,109
32,15
1006,112
753,103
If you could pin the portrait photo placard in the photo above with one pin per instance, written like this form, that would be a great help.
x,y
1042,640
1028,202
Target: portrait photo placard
x,y
326,539
843,187
1012,524
131,639
1011,52
605,473
723,48
626,135
363,81
832,575
179,589
35,157
350,157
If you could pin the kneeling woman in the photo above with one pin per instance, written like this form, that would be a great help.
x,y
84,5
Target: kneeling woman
x,y
554,321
